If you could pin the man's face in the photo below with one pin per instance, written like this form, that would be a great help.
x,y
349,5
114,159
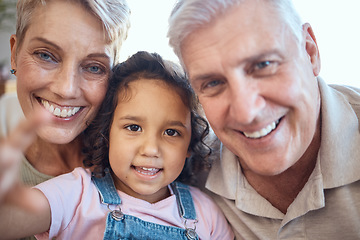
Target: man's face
x,y
257,86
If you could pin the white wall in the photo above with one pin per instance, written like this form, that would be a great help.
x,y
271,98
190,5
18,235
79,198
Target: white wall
x,y
334,22
336,27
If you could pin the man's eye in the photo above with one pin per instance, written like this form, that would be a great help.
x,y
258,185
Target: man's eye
x,y
213,83
171,132
264,68
263,64
134,128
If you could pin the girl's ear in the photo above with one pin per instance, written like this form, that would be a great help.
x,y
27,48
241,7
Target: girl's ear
x,y
188,154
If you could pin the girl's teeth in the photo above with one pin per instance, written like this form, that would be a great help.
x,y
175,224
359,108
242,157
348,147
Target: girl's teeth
x,y
147,171
57,111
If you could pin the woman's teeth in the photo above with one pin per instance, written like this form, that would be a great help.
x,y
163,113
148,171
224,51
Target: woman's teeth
x,y
62,112
263,132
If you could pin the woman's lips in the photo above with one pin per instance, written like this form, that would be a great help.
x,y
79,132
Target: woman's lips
x,y
59,111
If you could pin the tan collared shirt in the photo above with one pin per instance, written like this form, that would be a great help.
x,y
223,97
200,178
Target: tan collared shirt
x,y
328,207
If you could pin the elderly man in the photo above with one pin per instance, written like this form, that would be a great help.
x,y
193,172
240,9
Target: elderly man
x,y
290,160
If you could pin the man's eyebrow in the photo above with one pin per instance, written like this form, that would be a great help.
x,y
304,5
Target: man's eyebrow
x,y
205,76
202,77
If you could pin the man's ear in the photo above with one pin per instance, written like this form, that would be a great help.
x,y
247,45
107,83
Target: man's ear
x,y
13,44
312,48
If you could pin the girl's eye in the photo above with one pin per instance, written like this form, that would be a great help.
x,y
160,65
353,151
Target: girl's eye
x,y
171,132
134,128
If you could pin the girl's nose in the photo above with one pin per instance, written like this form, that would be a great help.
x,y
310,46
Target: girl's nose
x,y
150,147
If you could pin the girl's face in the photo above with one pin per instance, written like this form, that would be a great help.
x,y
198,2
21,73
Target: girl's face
x,y
62,67
149,139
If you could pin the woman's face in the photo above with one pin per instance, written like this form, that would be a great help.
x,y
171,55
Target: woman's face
x,y
62,67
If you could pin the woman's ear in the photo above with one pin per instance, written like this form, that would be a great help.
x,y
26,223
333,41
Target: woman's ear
x,y
312,48
13,43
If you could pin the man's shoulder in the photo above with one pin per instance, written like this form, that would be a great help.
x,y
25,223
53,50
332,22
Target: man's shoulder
x,y
350,93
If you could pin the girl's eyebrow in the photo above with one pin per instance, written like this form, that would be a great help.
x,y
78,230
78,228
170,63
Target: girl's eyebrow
x,y
139,119
130,117
177,123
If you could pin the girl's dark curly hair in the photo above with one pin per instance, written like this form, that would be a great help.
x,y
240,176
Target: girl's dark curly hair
x,y
146,65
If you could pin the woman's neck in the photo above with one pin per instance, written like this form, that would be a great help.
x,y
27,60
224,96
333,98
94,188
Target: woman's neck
x,y
55,159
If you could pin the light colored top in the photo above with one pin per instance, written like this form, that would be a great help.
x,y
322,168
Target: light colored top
x,y
76,211
328,207
10,115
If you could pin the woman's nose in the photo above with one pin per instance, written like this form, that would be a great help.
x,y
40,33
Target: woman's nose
x,y
67,82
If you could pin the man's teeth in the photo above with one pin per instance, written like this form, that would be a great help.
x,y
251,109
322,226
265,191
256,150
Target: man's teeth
x,y
147,171
60,112
263,132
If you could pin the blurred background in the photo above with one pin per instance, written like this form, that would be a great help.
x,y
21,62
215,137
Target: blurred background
x,y
335,24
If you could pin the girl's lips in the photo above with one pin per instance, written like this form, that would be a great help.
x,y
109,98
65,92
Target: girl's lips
x,y
59,111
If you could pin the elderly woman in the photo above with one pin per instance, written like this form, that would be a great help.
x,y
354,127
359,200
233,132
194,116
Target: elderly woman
x,y
62,55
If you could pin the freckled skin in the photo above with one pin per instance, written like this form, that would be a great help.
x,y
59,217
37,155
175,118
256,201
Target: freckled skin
x,y
64,63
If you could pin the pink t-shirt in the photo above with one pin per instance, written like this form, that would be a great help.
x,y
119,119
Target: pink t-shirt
x,y
76,211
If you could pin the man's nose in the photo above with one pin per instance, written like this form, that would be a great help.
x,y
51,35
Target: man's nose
x,y
245,100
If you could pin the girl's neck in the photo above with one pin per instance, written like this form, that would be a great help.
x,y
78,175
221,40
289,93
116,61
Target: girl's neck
x,y
55,159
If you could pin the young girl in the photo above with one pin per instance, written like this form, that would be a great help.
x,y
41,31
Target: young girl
x,y
146,140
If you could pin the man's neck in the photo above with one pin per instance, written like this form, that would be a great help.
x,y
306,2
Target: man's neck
x,y
281,190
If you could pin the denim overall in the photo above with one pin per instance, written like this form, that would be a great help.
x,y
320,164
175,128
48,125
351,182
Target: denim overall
x,y
123,226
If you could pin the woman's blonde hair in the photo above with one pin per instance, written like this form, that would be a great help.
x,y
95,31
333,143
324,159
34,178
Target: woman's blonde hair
x,y
114,15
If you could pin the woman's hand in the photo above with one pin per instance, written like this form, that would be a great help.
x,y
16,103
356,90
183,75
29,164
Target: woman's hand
x,y
12,149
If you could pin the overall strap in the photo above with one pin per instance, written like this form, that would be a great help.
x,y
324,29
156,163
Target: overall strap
x,y
106,188
184,200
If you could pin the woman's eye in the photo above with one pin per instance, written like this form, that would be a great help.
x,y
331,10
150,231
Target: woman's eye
x,y
95,69
45,56
171,132
134,128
